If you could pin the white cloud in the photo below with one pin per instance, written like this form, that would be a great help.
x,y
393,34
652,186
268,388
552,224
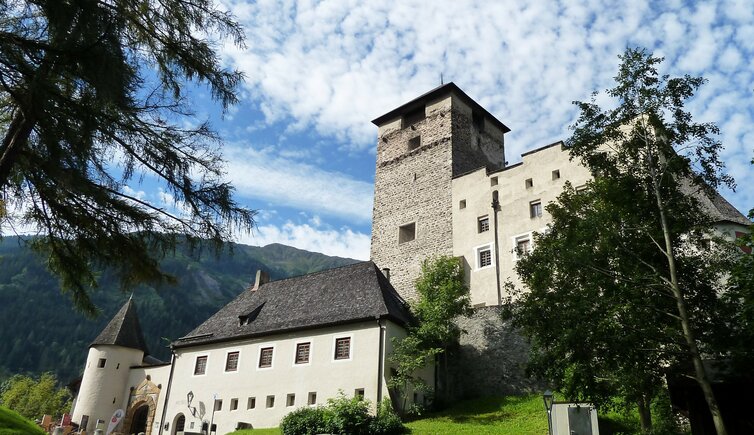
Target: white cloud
x,y
343,242
285,182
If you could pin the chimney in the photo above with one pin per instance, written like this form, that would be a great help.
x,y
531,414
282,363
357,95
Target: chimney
x,y
386,272
262,278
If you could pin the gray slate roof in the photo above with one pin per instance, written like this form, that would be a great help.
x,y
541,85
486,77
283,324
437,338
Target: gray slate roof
x,y
342,295
123,330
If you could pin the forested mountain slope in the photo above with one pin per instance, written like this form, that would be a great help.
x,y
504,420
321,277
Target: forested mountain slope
x,y
40,331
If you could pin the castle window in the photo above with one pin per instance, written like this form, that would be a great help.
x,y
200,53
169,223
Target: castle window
x,y
407,233
478,120
290,400
414,143
270,401
312,400
414,116
493,181
535,209
218,405
231,362
529,183
201,365
462,204
483,224
483,256
265,357
302,353
251,403
101,363
359,393
233,404
556,174
343,348
580,189
522,245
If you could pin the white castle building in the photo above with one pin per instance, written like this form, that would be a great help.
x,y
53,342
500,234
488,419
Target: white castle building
x,y
442,187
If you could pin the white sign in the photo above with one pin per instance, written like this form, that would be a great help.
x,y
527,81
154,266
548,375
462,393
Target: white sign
x,y
115,420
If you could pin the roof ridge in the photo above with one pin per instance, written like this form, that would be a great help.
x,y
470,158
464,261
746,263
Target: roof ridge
x,y
318,272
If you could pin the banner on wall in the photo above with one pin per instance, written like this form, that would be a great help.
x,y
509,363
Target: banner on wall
x,y
115,420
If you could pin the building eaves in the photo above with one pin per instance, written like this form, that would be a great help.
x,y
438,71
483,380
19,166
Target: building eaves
x,y
434,94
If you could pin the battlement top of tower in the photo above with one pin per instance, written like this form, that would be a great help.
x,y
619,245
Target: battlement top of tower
x,y
434,94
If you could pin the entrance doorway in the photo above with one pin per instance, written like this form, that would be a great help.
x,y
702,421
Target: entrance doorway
x,y
139,420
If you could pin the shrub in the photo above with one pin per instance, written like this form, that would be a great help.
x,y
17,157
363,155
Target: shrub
x,y
349,416
306,421
387,421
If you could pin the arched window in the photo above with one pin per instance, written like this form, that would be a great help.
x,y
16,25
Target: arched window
x,y
180,424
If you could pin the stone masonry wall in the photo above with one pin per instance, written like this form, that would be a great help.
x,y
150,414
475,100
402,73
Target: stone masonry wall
x,y
412,186
491,358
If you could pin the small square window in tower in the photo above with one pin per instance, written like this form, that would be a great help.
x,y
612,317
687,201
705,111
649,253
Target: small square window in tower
x,y
493,181
529,183
556,174
201,365
406,233
343,348
101,363
231,362
535,209
462,204
483,224
218,405
414,143
414,116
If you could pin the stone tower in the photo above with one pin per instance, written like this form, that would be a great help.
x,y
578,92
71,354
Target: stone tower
x,y
421,147
118,347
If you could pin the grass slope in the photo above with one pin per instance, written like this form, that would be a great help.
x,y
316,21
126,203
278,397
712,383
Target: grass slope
x,y
12,424
493,415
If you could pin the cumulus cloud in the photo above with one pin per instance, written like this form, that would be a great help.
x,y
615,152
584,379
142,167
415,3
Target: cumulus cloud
x,y
341,242
333,66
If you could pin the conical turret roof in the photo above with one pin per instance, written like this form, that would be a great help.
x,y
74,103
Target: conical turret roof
x,y
123,330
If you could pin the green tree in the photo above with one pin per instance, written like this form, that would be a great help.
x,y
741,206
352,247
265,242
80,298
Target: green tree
x,y
645,292
93,96
32,398
442,296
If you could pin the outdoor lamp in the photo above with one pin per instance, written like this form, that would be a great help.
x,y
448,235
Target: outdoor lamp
x,y
547,397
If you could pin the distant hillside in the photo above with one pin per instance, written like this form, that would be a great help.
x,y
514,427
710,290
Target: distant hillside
x,y
40,331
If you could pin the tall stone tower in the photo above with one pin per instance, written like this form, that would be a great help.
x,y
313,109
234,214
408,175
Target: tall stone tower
x,y
118,347
421,147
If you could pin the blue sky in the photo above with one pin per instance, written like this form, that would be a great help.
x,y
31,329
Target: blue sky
x,y
300,146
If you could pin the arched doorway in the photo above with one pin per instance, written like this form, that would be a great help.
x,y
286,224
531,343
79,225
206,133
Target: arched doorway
x,y
139,420
179,424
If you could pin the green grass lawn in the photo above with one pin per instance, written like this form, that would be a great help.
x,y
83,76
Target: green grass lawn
x,y
519,415
13,424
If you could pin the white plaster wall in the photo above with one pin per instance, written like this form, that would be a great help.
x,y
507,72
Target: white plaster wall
x,y
102,389
322,375
513,218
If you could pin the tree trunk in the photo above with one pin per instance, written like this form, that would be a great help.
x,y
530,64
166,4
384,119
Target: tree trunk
x,y
688,333
645,414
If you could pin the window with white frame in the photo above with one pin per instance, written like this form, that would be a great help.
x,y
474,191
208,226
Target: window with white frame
x,y
483,224
200,367
342,348
522,245
535,209
265,357
302,353
483,256
231,361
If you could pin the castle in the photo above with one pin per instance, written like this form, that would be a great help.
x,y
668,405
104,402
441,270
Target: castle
x,y
442,187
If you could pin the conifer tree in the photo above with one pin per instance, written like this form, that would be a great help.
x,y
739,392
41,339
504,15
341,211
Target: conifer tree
x,y
93,98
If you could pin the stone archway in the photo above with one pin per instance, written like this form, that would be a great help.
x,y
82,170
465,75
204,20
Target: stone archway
x,y
143,400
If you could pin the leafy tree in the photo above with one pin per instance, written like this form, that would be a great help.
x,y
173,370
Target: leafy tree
x,y
32,398
93,96
443,296
622,261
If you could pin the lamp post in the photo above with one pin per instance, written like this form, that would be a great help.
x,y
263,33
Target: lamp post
x,y
548,399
